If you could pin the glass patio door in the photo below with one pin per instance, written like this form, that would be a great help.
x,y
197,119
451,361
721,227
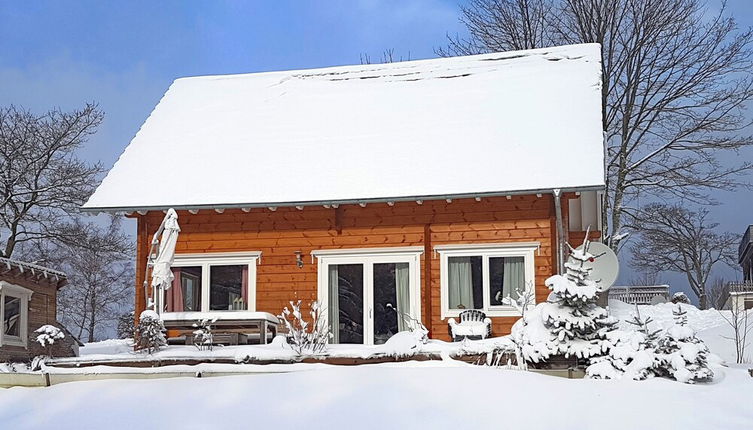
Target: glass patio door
x,y
369,299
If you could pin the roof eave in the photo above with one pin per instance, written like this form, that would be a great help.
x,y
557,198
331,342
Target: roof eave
x,y
341,201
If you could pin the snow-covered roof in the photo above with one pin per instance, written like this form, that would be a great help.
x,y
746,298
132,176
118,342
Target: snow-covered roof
x,y
512,122
8,265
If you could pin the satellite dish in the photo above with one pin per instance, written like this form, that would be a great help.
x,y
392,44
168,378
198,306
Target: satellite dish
x,y
606,268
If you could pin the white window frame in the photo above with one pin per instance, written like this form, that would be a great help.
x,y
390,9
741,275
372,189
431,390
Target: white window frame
x,y
526,250
17,291
206,261
368,257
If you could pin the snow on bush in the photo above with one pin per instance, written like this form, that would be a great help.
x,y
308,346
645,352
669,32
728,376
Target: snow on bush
x,y
570,323
48,334
150,332
674,353
203,337
680,297
415,326
305,338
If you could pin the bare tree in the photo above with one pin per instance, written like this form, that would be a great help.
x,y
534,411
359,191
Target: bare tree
x,y
718,293
741,322
677,239
645,278
42,181
675,81
100,275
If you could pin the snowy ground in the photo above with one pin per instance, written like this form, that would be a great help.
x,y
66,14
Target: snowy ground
x,y
376,396
437,394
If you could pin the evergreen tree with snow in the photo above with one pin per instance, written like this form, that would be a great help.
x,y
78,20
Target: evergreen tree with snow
x,y
150,332
683,356
632,355
570,323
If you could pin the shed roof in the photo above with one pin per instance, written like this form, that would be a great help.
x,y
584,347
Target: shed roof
x,y
512,122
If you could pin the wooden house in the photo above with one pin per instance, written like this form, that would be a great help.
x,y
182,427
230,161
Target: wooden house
x,y
28,294
429,186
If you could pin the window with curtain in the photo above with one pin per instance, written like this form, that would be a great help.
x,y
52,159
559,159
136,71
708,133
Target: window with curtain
x,y
481,278
465,282
212,283
506,277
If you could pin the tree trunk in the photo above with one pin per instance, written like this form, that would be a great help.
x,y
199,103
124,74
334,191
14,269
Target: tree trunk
x,y
92,321
703,301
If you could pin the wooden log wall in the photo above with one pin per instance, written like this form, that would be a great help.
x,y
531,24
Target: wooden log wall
x,y
280,233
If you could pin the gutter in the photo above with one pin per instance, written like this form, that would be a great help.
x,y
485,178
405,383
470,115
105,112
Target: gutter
x,y
196,207
560,230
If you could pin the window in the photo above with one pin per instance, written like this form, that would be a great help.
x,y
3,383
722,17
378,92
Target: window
x,y
14,309
481,276
369,294
213,282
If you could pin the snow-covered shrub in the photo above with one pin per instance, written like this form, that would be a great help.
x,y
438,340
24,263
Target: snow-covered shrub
x,y
680,297
414,325
150,332
570,323
674,353
632,355
47,335
524,300
683,356
126,325
304,337
203,338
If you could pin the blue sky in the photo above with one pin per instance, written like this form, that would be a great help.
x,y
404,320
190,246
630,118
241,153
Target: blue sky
x,y
124,55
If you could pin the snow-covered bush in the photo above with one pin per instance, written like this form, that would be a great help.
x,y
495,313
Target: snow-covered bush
x,y
632,355
47,335
680,297
524,300
203,338
674,353
150,332
304,337
414,325
683,356
570,323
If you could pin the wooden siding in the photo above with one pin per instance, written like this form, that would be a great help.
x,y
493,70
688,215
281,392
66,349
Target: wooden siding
x,y
279,234
42,310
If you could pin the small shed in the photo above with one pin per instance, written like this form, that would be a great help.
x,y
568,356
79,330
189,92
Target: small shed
x,y
28,300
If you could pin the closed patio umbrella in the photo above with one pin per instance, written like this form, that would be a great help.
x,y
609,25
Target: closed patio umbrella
x,y
162,276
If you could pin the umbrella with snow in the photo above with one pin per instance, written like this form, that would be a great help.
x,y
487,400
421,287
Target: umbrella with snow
x,y
162,275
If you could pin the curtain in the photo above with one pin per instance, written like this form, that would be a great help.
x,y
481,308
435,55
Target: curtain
x,y
513,277
333,307
402,288
244,286
460,283
175,293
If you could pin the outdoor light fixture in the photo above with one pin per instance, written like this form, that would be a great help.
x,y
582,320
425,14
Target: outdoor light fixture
x,y
299,259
